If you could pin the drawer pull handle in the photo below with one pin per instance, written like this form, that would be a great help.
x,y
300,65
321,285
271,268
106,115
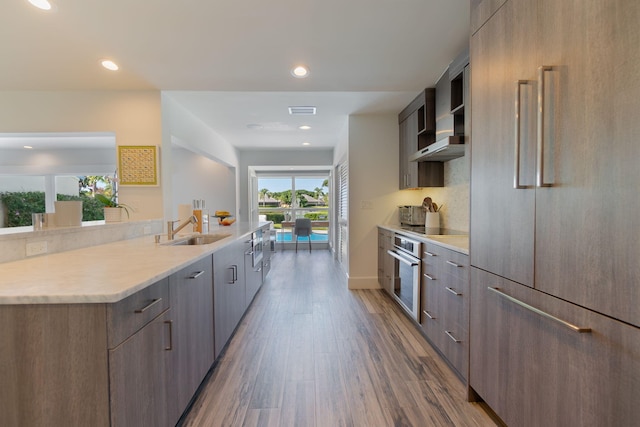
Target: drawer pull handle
x,y
428,315
428,277
170,323
196,274
234,274
453,291
540,312
452,337
429,254
453,263
148,306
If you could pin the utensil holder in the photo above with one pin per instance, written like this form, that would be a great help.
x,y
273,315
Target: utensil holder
x,y
432,222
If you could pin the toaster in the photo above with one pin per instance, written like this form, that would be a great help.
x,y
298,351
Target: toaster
x,y
412,215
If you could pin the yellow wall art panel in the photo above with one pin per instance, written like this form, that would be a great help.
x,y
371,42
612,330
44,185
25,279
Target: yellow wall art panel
x,y
138,164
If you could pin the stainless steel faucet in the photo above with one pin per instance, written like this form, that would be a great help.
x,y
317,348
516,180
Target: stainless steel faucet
x,y
171,232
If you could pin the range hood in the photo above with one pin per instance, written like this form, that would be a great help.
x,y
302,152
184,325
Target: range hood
x,y
448,148
449,112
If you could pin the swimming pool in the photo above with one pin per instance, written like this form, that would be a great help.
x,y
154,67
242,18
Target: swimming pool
x,y
285,236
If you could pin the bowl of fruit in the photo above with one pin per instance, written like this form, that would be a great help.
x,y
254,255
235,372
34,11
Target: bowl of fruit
x,y
224,217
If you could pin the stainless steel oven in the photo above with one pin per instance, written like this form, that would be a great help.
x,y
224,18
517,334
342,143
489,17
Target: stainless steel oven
x,y
256,247
406,277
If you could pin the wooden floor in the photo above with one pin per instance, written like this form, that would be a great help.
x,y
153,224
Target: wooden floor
x,y
309,352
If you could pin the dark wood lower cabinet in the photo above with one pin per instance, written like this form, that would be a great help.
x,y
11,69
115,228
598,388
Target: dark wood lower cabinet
x,y
53,365
139,371
535,371
445,304
192,311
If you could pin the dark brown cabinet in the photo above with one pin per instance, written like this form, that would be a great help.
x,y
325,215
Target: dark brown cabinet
x,y
229,292
385,261
445,304
553,205
139,376
534,370
417,131
192,313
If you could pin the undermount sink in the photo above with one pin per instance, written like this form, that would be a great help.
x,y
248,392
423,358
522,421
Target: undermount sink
x,y
204,239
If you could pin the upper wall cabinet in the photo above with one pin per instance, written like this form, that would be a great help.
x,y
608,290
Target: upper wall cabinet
x,y
417,131
449,115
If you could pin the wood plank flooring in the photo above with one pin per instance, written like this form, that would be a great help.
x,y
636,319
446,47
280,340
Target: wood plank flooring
x,y
309,352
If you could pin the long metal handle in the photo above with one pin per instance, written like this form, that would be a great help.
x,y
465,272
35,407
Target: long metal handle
x,y
428,277
516,156
196,274
453,291
453,264
540,312
170,323
428,315
148,306
402,259
540,163
429,254
451,336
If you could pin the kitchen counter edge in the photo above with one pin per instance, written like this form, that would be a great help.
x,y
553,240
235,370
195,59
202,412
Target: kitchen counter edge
x,y
105,273
452,242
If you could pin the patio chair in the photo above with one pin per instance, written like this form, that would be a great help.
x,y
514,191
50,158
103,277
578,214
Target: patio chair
x,y
302,228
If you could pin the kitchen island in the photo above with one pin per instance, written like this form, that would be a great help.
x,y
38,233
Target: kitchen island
x,y
116,334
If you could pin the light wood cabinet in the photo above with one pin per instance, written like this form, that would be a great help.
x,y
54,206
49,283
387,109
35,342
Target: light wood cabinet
x,y
533,370
192,313
417,130
229,292
445,304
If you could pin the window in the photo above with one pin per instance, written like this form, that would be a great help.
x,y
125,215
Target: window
x,y
283,198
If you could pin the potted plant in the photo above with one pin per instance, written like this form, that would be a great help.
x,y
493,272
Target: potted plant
x,y
112,208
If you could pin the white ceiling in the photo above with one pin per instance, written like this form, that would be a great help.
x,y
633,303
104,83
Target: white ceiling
x,y
228,62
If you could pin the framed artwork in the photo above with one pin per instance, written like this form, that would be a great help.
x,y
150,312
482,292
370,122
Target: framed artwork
x,y
138,164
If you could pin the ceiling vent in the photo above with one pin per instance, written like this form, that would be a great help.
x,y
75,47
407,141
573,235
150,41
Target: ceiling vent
x,y
302,111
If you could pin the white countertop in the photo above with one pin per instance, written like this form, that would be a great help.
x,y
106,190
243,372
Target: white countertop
x,y
104,273
455,242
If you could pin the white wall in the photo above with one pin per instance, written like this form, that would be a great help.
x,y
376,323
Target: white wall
x,y
374,196
301,157
183,129
197,177
133,116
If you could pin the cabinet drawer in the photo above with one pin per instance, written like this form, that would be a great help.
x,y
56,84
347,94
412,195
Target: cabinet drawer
x,y
126,317
430,311
455,347
534,370
454,299
451,262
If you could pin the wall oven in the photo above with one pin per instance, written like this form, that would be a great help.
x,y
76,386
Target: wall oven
x,y
256,247
406,276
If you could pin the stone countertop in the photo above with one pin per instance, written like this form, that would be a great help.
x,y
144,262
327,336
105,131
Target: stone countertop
x,y
455,242
104,273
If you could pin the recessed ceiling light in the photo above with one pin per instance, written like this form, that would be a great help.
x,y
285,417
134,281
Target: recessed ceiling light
x,y
109,65
41,4
306,143
28,147
304,127
300,72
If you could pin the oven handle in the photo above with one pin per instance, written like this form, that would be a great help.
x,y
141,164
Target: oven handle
x,y
401,258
